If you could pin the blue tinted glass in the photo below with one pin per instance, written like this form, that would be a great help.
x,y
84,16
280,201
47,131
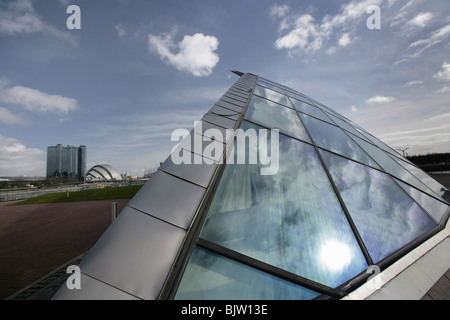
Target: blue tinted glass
x,y
310,110
291,220
385,216
271,86
345,125
275,116
391,166
435,208
272,96
438,188
381,144
209,276
334,139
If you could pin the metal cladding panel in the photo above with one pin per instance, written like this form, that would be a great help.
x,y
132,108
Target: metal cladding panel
x,y
239,91
169,198
197,172
204,128
92,289
233,101
135,254
219,120
223,111
230,106
203,145
233,96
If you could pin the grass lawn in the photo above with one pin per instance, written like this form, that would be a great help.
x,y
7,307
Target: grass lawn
x,y
127,192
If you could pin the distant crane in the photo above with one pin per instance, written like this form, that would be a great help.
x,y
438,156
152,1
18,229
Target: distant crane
x,y
403,150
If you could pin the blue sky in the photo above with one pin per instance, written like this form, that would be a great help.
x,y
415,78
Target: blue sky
x,y
138,70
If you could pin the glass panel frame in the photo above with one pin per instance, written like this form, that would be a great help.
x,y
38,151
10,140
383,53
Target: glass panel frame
x,y
310,110
210,276
334,139
384,214
272,96
275,116
292,220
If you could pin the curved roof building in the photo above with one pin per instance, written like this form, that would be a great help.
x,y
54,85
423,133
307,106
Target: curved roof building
x,y
102,172
329,207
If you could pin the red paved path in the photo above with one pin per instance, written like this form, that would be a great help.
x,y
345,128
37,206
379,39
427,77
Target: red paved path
x,y
36,239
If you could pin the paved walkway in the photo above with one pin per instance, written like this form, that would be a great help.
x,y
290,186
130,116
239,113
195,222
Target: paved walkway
x,y
37,239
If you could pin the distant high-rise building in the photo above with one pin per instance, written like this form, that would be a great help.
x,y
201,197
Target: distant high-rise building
x,y
66,161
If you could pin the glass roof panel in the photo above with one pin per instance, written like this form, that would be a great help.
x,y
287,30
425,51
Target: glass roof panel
x,y
386,217
272,96
435,208
381,144
275,116
346,126
310,110
438,188
210,276
270,85
292,220
334,139
392,167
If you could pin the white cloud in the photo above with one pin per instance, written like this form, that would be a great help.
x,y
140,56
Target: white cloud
x,y
279,10
444,74
121,33
37,101
354,109
307,35
345,40
349,13
196,53
19,17
379,99
422,19
413,83
16,159
8,118
433,39
443,90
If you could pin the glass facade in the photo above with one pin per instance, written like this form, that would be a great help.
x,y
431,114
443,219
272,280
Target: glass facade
x,y
339,201
276,116
335,139
292,220
386,217
210,276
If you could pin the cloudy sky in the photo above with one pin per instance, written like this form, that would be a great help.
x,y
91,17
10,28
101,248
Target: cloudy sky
x,y
138,69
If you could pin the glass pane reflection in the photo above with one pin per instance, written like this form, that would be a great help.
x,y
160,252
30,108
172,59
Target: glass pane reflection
x,y
435,208
438,188
275,116
385,216
270,85
210,276
273,96
334,139
390,166
310,110
291,220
